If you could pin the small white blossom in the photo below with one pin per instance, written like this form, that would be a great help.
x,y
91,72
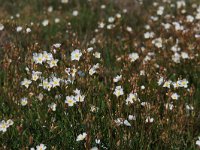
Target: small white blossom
x,y
1,27
45,22
24,101
64,1
127,123
19,28
133,56
76,54
75,13
167,83
198,142
70,100
118,91
131,117
117,78
52,106
26,82
175,96
97,55
149,120
81,137
41,147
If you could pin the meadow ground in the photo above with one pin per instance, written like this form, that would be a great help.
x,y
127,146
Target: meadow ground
x,y
99,74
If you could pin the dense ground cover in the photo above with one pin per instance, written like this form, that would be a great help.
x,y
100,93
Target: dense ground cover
x,y
99,74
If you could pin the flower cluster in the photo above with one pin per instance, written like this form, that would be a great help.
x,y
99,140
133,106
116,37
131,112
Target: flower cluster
x,y
71,100
40,58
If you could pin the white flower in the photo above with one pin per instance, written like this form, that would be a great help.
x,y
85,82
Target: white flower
x,y
166,25
175,48
146,104
45,22
118,91
103,6
97,55
90,49
157,42
53,63
111,19
38,58
167,83
180,4
127,123
57,20
41,147
94,148
46,85
133,56
118,15
198,142
129,29
189,18
149,120
160,81
110,26
101,25
3,126
70,100
183,83
64,1
142,72
160,10
81,137
119,121
79,98
40,96
117,78
76,54
9,122
93,69
28,30
36,75
19,28
154,18
94,108
24,101
184,55
26,82
1,27
97,141
169,106
75,13
52,106
189,107
178,26
55,82
131,98
175,96
175,84
131,117
57,45
197,16
47,56
50,9
148,35
176,57
77,91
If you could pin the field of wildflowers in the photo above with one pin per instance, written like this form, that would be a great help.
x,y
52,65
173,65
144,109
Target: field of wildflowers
x,y
99,74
